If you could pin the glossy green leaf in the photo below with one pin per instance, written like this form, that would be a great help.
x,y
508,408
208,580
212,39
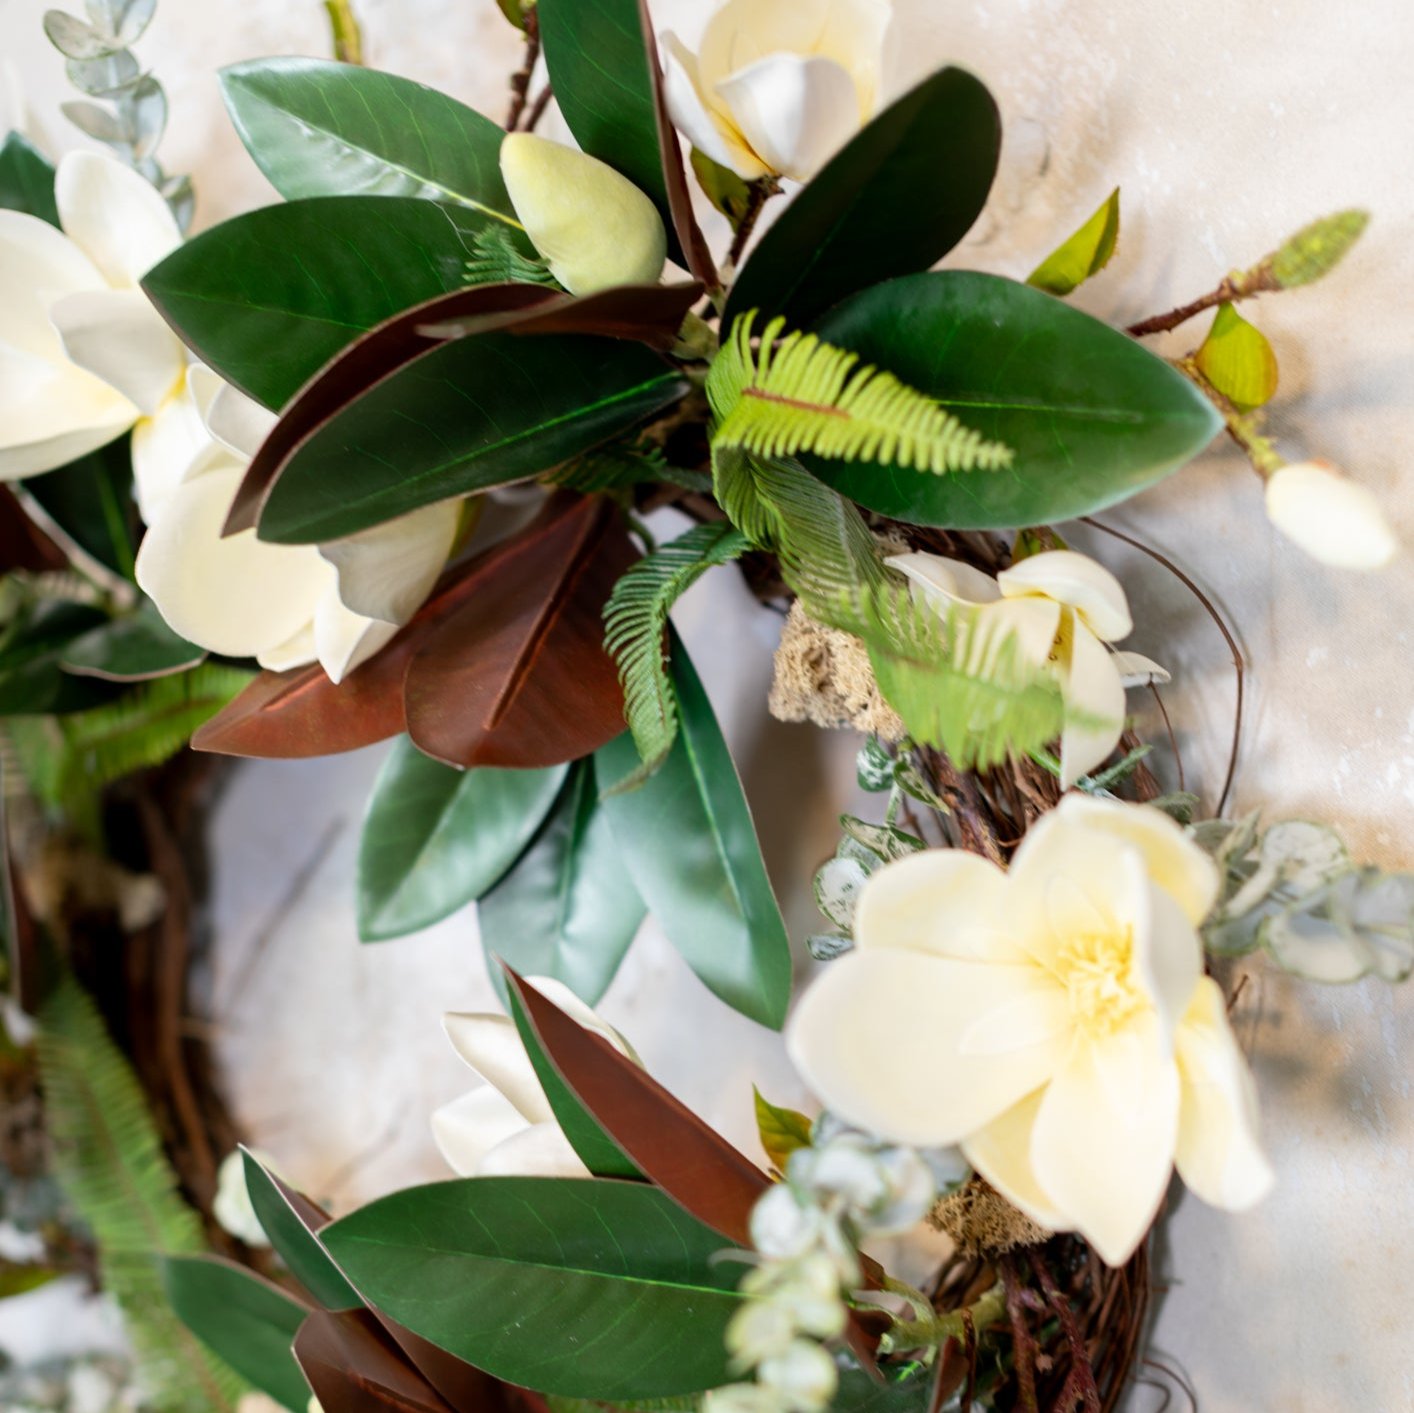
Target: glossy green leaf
x,y
599,69
291,1221
318,128
1091,416
590,1289
568,907
26,180
32,682
688,841
1238,361
599,1153
268,298
244,1319
91,501
435,838
895,199
1083,253
477,412
134,648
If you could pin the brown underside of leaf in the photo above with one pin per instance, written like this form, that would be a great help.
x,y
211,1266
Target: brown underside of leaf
x,y
23,545
354,1366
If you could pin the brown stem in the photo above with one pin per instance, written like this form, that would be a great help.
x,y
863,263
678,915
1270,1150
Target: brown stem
x,y
761,192
1257,280
537,109
520,80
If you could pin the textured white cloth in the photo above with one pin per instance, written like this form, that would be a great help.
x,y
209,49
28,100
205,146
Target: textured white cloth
x,y
1227,127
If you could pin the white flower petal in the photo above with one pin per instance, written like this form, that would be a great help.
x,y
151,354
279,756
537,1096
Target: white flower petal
x,y
1219,1154
1168,956
944,901
1077,581
469,1128
854,34
236,596
795,112
114,216
876,1036
1136,670
1001,1152
1334,519
490,1044
741,32
387,571
1031,624
237,421
118,336
168,448
345,640
711,133
1103,1144
542,1150
945,581
1172,858
38,265
52,414
1090,685
296,651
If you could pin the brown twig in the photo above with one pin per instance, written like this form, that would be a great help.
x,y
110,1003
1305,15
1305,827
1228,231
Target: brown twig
x,y
1256,281
761,192
520,80
537,109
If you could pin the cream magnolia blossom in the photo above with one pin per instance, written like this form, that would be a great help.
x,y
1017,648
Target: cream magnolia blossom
x,y
777,87
1054,1020
1060,608
1333,518
284,605
83,354
506,1128
593,227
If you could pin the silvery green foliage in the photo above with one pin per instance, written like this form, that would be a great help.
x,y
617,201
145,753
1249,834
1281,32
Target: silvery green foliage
x,y
864,848
1293,890
878,770
130,115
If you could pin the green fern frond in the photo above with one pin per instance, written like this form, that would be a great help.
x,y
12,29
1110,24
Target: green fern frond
x,y
495,260
635,619
109,1161
614,468
798,394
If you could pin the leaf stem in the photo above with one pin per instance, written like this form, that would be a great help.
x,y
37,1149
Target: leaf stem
x,y
1243,285
520,80
933,1331
761,192
344,26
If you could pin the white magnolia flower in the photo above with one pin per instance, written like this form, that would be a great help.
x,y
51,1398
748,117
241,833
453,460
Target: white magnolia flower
x,y
1054,1020
83,354
506,1128
1333,518
777,87
1060,607
284,605
232,1206
592,225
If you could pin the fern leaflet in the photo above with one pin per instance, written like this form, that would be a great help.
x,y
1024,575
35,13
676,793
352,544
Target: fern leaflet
x,y
109,1161
614,468
495,261
798,394
635,619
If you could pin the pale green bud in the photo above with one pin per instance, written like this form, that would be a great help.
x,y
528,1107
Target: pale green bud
x,y
593,227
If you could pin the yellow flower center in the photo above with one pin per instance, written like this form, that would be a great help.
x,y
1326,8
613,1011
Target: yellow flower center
x,y
1098,974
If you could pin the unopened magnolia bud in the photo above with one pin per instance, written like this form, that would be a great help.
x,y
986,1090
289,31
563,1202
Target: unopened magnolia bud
x,y
1316,250
593,226
1333,518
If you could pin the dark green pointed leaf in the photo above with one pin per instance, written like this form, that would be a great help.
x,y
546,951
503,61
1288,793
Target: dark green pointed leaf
x,y
134,648
477,412
317,128
268,298
688,841
589,1289
1083,253
1092,417
26,180
290,1220
435,838
91,501
32,682
567,908
598,1151
244,1319
895,200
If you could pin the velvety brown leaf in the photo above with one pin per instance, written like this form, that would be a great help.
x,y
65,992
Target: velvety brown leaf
x,y
517,675
351,372
23,545
689,233
354,1366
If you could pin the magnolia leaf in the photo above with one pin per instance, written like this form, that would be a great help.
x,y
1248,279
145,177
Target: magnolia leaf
x,y
1082,254
782,1130
1238,361
352,1363
27,179
23,545
90,500
135,648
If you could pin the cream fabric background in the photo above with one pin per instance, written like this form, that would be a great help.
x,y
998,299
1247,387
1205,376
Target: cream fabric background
x,y
1227,125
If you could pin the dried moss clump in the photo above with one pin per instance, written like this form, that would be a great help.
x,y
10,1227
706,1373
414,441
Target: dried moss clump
x,y
823,676
983,1223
